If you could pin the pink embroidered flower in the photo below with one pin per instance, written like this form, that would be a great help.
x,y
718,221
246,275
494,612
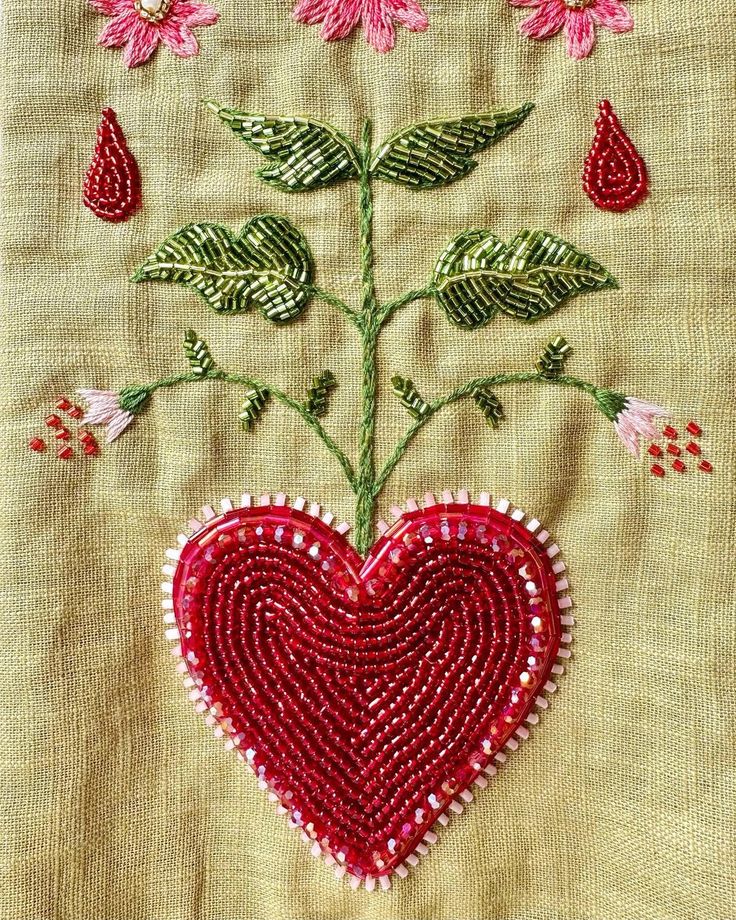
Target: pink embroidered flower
x,y
114,410
340,17
632,418
141,24
578,18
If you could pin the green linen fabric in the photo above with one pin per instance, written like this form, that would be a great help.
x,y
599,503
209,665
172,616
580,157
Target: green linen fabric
x,y
117,804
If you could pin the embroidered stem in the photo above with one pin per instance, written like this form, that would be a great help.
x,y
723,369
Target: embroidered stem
x,y
469,389
284,398
369,327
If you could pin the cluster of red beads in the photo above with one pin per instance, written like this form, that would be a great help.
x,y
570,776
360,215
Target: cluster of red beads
x,y
367,695
615,175
673,449
112,184
62,435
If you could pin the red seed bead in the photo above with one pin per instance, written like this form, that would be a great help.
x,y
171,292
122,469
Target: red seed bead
x,y
53,421
694,429
91,449
693,448
705,466
62,434
669,432
63,403
86,437
679,466
655,450
65,452
37,444
674,450
657,470
75,412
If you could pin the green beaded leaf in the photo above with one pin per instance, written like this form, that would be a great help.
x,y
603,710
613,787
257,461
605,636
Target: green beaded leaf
x,y
409,396
198,353
489,405
303,153
441,151
252,407
478,274
551,361
268,265
317,393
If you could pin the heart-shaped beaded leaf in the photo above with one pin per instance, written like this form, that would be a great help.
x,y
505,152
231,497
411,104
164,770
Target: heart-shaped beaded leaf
x,y
369,697
478,274
268,265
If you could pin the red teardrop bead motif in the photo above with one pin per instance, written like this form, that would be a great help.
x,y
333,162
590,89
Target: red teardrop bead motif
x,y
615,176
112,184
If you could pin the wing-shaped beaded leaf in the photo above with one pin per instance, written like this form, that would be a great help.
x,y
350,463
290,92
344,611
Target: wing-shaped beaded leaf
x,y
318,392
252,407
303,153
198,353
410,397
441,151
478,274
268,265
489,405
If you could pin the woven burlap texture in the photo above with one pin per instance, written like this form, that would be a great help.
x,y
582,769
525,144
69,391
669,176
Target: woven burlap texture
x,y
118,804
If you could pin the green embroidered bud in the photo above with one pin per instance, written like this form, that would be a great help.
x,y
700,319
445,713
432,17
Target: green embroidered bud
x,y
489,406
197,352
551,361
611,403
410,398
133,399
317,393
253,404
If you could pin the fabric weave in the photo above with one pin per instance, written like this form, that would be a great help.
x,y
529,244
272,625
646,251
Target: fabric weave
x,y
117,804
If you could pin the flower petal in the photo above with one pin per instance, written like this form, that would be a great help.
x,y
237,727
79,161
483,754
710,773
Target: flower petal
x,y
179,38
547,21
613,15
378,25
142,42
118,30
311,11
195,14
340,20
118,423
111,7
580,33
410,14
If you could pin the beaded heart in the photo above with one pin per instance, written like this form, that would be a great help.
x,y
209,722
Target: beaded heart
x,y
112,183
368,696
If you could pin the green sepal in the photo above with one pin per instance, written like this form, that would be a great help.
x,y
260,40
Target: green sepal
x,y
551,361
478,274
198,353
134,398
303,153
489,405
440,151
411,400
252,407
268,265
317,393
611,403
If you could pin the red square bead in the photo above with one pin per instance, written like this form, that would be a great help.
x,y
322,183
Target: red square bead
x,y
37,444
91,449
75,412
63,403
692,448
694,429
669,432
657,470
705,467
62,434
674,450
679,466
655,450
65,452
53,421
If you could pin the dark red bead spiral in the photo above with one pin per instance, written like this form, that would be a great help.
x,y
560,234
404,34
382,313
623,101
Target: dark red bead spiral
x,y
112,184
615,175
367,695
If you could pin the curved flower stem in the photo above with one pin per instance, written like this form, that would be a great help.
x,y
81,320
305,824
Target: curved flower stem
x,y
335,301
284,398
388,309
467,389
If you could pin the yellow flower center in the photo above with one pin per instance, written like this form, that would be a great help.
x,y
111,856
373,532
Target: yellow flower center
x,y
578,4
152,10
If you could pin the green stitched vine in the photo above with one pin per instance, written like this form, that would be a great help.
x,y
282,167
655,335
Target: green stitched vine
x,y
268,266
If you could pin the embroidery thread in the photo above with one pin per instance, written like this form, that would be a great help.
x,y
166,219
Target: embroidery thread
x,y
141,25
615,176
377,17
578,18
112,183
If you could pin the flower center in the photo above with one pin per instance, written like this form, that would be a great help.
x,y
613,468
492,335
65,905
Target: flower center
x,y
578,4
153,10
